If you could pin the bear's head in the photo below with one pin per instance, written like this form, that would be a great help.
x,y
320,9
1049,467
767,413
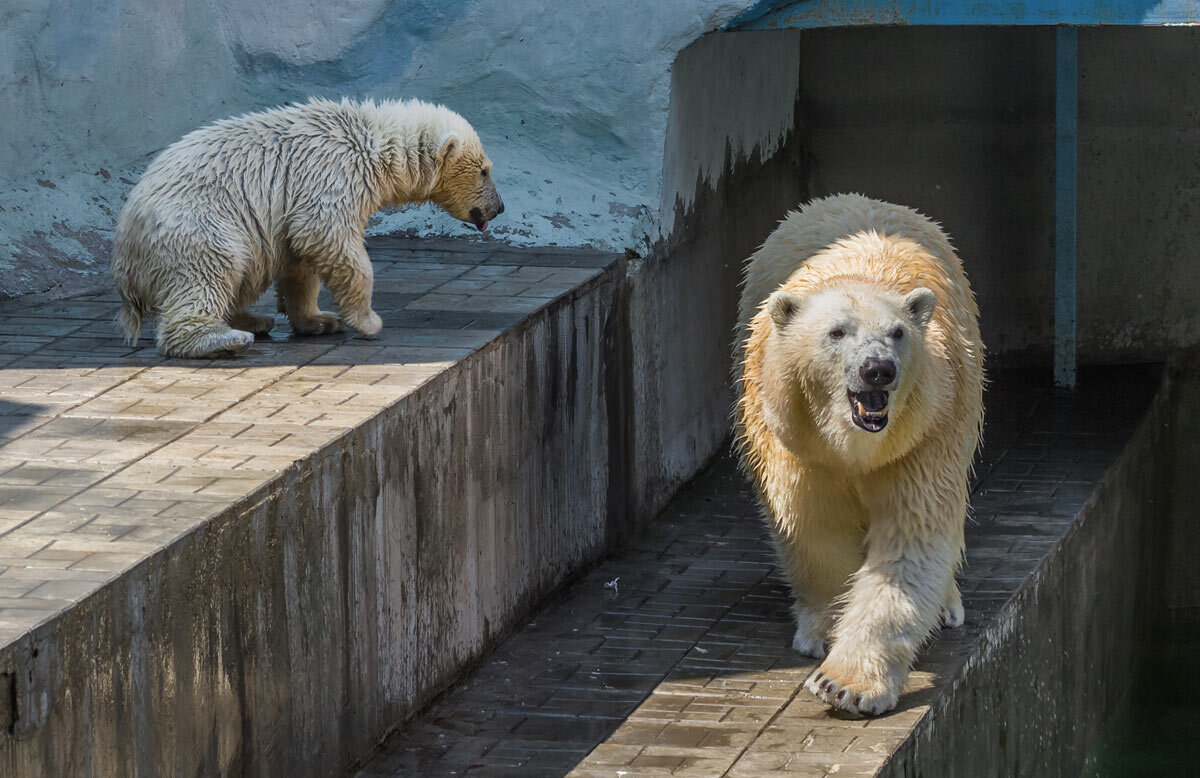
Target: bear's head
x,y
463,184
846,359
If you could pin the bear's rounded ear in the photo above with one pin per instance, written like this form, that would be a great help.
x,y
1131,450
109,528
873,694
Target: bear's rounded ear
x,y
920,304
783,307
448,147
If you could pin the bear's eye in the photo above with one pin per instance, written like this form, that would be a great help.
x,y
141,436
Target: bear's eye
x,y
837,333
898,333
483,173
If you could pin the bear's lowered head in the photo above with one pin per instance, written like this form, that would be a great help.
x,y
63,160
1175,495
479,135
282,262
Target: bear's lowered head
x,y
434,154
464,187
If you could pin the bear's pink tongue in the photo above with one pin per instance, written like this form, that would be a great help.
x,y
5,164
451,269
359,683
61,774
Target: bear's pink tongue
x,y
483,226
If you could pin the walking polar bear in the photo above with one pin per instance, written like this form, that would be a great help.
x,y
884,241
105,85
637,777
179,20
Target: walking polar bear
x,y
859,412
283,197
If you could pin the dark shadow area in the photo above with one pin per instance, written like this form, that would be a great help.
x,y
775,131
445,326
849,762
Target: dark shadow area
x,y
17,418
958,122
682,640
1155,730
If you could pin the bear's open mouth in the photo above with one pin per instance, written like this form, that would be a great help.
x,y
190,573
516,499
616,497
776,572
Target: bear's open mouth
x,y
869,410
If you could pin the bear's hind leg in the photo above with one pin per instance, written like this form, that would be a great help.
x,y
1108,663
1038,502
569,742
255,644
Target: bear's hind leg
x,y
196,335
252,322
953,614
819,554
296,292
809,639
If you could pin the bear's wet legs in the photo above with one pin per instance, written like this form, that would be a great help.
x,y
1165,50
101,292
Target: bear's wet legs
x,y
894,603
953,614
198,336
809,639
297,293
818,536
251,322
350,278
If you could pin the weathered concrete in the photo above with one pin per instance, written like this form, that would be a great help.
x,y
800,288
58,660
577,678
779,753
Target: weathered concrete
x,y
1182,586
736,177
674,657
261,566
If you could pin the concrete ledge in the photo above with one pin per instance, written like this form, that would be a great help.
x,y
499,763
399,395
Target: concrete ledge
x,y
1032,692
261,566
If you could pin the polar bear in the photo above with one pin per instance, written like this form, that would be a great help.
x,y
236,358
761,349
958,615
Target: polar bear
x,y
283,197
859,411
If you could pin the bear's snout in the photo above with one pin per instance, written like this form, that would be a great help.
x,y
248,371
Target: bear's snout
x,y
878,373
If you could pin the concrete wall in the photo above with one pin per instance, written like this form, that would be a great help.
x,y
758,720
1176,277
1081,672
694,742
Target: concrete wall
x,y
570,98
959,123
1182,584
287,635
733,170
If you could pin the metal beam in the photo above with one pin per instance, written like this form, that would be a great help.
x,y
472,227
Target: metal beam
x,y
810,14
1066,195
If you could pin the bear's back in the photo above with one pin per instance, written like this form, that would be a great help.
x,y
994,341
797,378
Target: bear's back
x,y
822,223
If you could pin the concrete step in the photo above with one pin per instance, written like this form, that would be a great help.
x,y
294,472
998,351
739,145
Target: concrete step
x,y
674,657
261,565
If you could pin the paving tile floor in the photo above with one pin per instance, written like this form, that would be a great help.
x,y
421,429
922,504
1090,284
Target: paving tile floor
x,y
673,657
109,452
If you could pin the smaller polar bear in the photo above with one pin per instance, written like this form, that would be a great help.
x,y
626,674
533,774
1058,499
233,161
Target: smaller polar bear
x,y
283,197
860,409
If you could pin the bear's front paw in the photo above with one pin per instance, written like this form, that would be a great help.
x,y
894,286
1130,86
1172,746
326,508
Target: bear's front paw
x,y
859,696
368,325
320,323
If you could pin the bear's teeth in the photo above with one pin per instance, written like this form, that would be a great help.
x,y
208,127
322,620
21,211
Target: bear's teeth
x,y
862,411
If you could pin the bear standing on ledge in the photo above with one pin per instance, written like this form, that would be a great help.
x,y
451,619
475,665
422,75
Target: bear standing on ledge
x,y
283,197
860,409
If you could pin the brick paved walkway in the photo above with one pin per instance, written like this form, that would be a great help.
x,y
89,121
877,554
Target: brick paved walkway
x,y
674,658
108,453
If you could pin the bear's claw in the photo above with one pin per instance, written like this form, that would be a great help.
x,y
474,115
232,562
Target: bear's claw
x,y
844,695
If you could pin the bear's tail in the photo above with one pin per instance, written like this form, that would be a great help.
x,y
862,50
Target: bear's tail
x,y
130,318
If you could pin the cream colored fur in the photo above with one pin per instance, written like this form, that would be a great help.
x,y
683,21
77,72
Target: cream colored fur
x,y
283,196
869,526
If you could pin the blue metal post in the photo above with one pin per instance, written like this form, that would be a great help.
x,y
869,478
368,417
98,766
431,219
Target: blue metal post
x,y
1066,141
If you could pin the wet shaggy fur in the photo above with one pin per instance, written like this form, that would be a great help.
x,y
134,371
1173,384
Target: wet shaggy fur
x,y
868,525
283,197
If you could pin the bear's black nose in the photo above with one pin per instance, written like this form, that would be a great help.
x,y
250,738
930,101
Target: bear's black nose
x,y
878,373
500,210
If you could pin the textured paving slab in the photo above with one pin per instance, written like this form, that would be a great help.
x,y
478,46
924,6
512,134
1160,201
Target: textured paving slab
x,y
108,453
674,658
